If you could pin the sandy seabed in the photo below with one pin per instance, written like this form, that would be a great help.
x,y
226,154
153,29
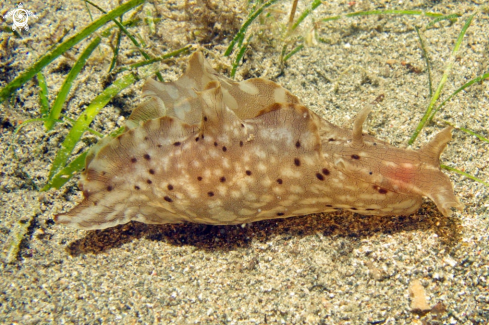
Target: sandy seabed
x,y
338,268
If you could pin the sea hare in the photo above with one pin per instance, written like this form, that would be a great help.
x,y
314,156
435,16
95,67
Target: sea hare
x,y
207,149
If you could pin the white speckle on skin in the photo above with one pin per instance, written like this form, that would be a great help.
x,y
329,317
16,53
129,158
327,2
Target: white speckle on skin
x,y
350,188
279,190
214,153
389,163
246,212
225,163
296,189
315,200
214,204
289,172
249,88
222,189
207,173
243,188
223,139
236,132
266,198
227,216
172,91
217,172
281,135
229,100
308,160
279,95
367,197
255,204
235,194
262,167
180,113
246,157
181,165
250,196
266,182
291,199
345,198
261,154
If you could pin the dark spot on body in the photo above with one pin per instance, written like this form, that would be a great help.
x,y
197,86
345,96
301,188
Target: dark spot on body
x,y
149,181
222,179
370,209
248,172
355,157
205,118
170,187
168,199
146,138
329,205
134,160
146,156
280,213
109,188
242,125
151,171
224,149
330,139
279,180
353,208
241,143
197,139
210,193
176,144
325,171
215,144
375,144
199,178
320,176
370,173
379,189
137,187
298,144
158,145
297,162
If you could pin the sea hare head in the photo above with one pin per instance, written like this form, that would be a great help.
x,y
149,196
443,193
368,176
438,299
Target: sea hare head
x,y
398,170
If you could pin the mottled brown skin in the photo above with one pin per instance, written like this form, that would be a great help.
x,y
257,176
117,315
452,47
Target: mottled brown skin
x,y
206,149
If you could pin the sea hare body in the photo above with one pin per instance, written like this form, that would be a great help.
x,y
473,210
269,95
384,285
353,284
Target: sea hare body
x,y
206,149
